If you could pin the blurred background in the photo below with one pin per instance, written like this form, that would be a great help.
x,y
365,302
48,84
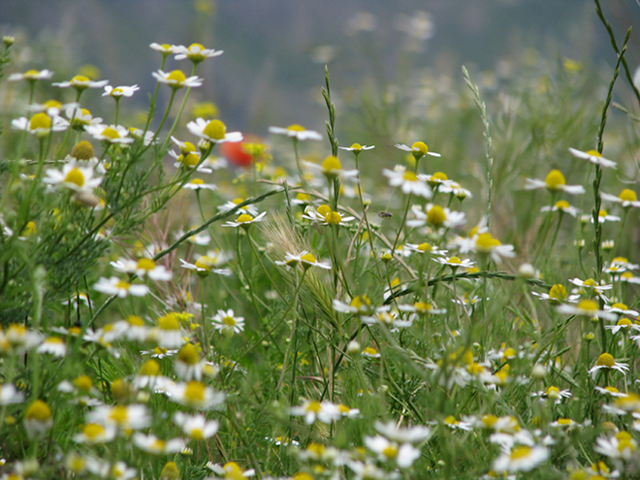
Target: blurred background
x,y
275,50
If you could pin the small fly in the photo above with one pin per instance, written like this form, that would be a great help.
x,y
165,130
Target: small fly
x,y
384,214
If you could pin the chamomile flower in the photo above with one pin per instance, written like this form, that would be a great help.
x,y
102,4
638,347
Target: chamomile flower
x,y
408,182
229,471
150,376
624,404
40,124
417,149
610,391
231,204
370,352
195,394
305,258
324,215
121,91
37,419
152,444
297,132
439,217
522,458
331,167
213,131
561,206
95,434
357,148
621,309
621,446
209,263
415,434
164,48
606,362
626,199
425,247
53,108
177,79
313,410
485,244
421,308
553,393
603,216
360,305
122,417
587,308
121,288
144,267
79,118
554,181
31,76
594,157
109,133
73,177
404,455
195,52
228,323
245,220
80,83
9,394
53,346
196,426
168,332
455,262
199,184
591,284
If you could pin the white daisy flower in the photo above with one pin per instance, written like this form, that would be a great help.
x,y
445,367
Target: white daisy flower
x,y
121,91
297,132
196,426
323,215
552,393
40,124
603,216
554,181
455,424
360,304
53,346
332,167
122,417
80,82
425,248
422,308
522,458
455,262
304,257
418,149
195,394
627,198
230,470
152,444
561,206
402,435
195,52
31,76
164,48
121,288
621,309
621,446
594,157
79,118
590,283
73,177
408,181
312,410
357,148
404,455
588,308
231,204
95,434
370,352
607,362
177,79
213,131
485,243
53,108
144,267
245,220
610,391
109,133
198,184
227,322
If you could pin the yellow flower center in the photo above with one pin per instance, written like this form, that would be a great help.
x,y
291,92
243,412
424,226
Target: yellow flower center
x,y
422,307
119,414
40,121
625,322
93,430
451,420
390,451
197,434
420,147
188,354
558,292
520,452
454,260
52,104
296,128
79,79
215,130
593,153
330,164
135,321
303,197
628,196
111,133
194,391
229,321
83,151
31,73
602,213
116,92
565,421
333,218
158,445
302,476
177,77
360,302
197,181
314,407
439,177
605,360
169,322
425,247
122,285
562,205
555,180
188,147
204,263
75,176
612,390
324,210
436,215
486,243
307,257
370,351
410,176
146,264
244,218
190,160
83,383
38,411
150,368
489,420
356,147
588,306
620,306
590,282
